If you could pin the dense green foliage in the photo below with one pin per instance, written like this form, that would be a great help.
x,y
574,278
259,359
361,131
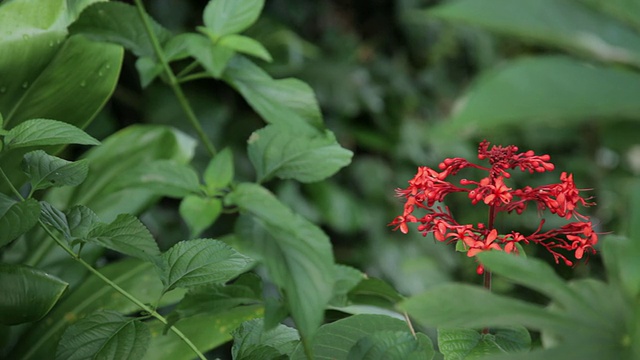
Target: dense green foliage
x,y
183,179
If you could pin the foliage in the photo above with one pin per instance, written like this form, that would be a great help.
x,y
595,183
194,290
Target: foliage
x,y
204,193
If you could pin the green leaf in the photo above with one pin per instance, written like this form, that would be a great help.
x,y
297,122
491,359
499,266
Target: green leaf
x,y
81,221
528,90
296,253
628,11
104,334
287,154
335,340
245,45
17,219
400,345
39,132
346,279
224,17
374,291
219,171
212,57
470,344
28,293
288,102
55,218
562,23
164,177
127,235
199,212
200,262
119,23
46,171
251,341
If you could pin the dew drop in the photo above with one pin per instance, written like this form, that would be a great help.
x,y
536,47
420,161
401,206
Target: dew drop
x,y
25,85
108,66
3,90
100,73
83,83
51,43
26,36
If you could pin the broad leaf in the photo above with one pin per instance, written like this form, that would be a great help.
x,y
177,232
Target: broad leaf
x,y
200,262
626,10
564,23
46,170
288,154
104,334
399,345
39,132
346,279
335,340
127,235
219,171
164,177
296,253
17,219
225,17
376,292
55,218
74,223
245,45
288,102
251,341
199,212
458,344
528,90
28,293
119,23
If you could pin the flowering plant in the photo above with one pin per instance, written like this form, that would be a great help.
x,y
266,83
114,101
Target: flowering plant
x,y
430,186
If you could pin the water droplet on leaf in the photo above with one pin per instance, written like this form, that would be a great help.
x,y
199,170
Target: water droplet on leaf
x,y
25,85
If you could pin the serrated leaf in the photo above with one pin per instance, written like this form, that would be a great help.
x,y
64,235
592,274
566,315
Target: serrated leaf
x,y
213,58
18,219
104,334
390,345
335,340
200,262
81,220
225,17
119,23
199,212
28,293
166,177
296,253
127,235
245,45
55,218
459,344
219,171
46,170
40,132
287,154
251,341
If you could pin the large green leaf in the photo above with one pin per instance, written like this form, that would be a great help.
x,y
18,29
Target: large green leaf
x,y
27,293
296,252
288,102
39,132
163,177
47,171
530,90
223,17
126,234
459,344
138,278
334,341
564,23
288,154
119,23
17,218
104,335
251,341
392,345
628,11
200,262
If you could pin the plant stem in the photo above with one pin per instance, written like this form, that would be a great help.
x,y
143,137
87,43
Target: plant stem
x,y
124,293
487,274
13,188
173,81
406,318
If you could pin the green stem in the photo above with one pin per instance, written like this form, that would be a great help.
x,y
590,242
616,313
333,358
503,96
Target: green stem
x,y
124,293
173,81
13,188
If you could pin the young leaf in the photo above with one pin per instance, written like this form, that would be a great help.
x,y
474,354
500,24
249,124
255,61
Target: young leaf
x,y
246,45
212,57
104,334
46,171
219,171
199,262
55,218
166,177
296,253
40,132
29,293
283,152
224,17
199,212
17,219
399,345
119,23
251,341
127,235
81,220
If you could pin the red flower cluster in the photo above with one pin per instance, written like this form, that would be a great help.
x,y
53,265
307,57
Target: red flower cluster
x,y
430,186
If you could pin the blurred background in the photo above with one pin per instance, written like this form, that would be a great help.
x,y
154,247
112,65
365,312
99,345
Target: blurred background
x,y
402,87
